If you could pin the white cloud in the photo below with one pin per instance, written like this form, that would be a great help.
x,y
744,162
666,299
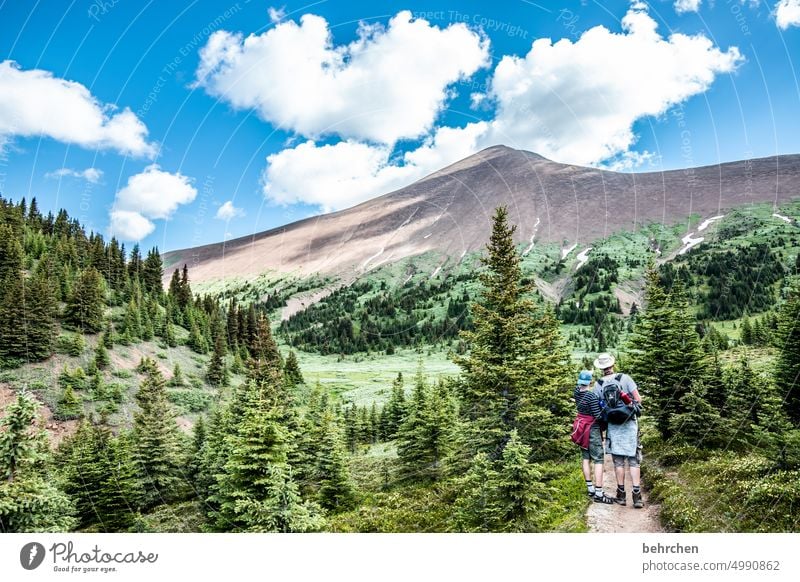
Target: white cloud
x,y
35,103
129,225
344,174
572,101
391,83
228,211
91,175
683,6
577,101
152,194
787,13
276,14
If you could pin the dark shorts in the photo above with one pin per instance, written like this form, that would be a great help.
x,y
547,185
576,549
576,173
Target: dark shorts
x,y
595,450
619,460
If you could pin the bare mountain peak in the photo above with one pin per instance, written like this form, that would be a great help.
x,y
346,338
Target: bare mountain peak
x,y
449,212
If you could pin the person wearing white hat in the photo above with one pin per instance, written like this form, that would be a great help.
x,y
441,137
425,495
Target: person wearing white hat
x,y
622,438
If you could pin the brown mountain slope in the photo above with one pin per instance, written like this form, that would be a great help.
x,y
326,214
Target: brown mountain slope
x,y
450,211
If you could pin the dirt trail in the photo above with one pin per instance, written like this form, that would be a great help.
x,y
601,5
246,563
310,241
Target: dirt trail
x,y
615,518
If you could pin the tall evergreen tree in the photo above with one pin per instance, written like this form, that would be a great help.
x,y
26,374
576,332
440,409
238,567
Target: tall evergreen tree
x,y
30,498
667,356
518,363
292,371
101,478
156,440
85,306
336,490
787,368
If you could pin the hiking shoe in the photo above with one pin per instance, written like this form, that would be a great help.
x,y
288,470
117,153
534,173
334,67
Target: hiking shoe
x,y
620,498
637,500
603,499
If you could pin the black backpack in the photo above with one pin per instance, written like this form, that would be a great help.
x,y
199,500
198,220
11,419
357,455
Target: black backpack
x,y
616,411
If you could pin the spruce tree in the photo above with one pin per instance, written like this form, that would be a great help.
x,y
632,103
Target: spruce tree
x,y
518,363
101,478
479,507
69,406
667,357
217,372
30,498
292,371
101,357
787,366
255,491
156,440
520,487
85,305
336,490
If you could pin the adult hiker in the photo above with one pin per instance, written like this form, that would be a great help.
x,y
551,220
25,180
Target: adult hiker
x,y
587,433
622,406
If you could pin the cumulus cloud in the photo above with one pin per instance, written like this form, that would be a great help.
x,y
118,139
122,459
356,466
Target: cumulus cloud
x,y
577,101
390,83
91,175
346,173
573,101
35,103
149,195
228,211
683,6
787,13
130,225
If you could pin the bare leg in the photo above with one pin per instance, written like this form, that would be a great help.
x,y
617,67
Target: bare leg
x,y
635,475
620,473
598,475
587,474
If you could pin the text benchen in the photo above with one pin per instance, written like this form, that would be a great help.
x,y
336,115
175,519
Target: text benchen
x,y
669,549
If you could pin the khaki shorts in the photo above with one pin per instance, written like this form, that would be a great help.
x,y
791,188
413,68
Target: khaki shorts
x,y
595,451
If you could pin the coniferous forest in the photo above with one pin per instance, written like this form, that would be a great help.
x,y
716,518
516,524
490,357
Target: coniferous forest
x,y
132,403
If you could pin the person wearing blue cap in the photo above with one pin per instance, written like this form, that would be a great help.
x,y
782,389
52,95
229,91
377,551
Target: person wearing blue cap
x,y
587,433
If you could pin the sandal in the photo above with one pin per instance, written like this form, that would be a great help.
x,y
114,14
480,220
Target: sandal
x,y
602,499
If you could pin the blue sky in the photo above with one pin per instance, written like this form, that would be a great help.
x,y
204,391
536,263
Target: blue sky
x,y
182,124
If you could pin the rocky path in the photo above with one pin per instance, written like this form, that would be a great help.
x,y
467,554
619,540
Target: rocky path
x,y
615,518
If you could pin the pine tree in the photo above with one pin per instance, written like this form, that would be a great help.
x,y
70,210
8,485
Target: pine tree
x,y
746,333
292,371
152,273
667,357
255,491
699,423
41,310
177,376
217,372
518,363
108,335
101,357
85,306
156,440
479,506
336,491
30,499
100,477
69,405
520,486
787,367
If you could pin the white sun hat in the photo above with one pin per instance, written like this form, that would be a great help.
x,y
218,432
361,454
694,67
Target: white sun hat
x,y
604,361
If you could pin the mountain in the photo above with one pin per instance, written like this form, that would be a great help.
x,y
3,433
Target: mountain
x,y
449,212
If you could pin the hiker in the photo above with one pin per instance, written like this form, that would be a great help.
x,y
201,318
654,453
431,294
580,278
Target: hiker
x,y
587,433
620,395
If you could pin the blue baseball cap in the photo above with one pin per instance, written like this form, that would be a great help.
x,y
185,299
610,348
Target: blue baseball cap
x,y
584,378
